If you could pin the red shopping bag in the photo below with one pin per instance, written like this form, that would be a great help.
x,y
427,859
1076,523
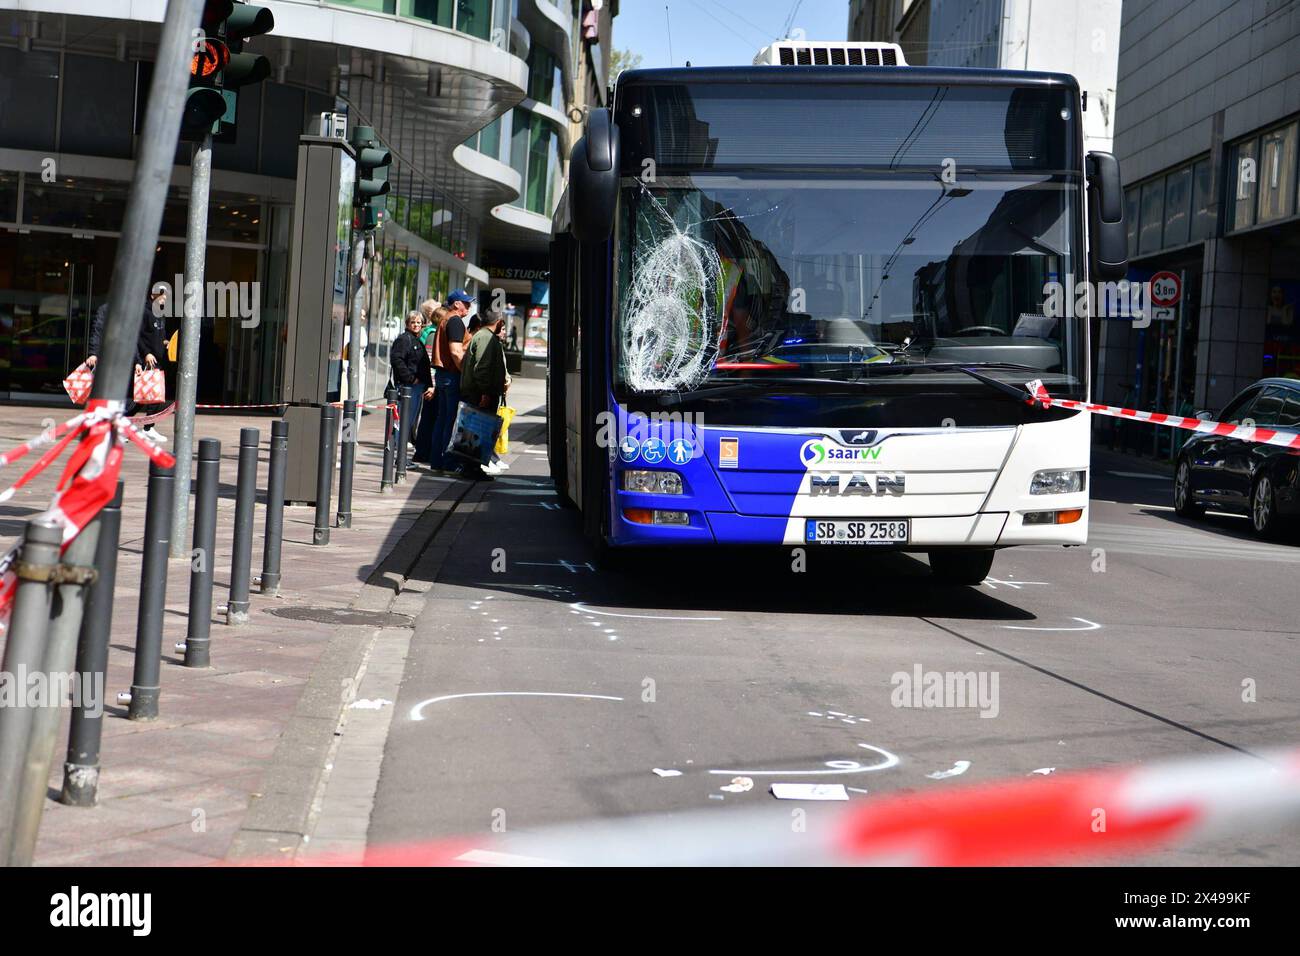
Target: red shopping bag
x,y
78,383
150,386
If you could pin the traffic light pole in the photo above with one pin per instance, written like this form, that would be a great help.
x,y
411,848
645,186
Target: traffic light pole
x,y
196,247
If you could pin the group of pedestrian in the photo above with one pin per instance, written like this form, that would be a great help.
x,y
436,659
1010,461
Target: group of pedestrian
x,y
446,356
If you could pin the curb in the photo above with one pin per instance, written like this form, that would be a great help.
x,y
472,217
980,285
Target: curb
x,y
277,822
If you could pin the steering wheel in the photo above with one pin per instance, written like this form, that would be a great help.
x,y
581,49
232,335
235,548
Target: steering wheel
x,y
974,329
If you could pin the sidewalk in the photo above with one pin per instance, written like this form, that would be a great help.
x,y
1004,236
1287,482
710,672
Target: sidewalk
x,y
178,790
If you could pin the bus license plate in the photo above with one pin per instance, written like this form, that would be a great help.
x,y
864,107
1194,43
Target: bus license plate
x,y
857,531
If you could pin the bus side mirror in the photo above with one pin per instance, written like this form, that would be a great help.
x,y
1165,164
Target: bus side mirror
x,y
593,179
1107,234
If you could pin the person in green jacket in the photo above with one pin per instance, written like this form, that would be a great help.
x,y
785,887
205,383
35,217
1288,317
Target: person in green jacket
x,y
483,374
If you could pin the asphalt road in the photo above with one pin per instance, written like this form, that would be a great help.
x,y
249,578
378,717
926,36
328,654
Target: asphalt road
x,y
717,665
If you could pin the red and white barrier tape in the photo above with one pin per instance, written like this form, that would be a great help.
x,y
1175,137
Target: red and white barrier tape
x,y
89,479
1255,433
1026,821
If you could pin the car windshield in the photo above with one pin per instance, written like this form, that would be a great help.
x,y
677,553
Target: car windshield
x,y
827,276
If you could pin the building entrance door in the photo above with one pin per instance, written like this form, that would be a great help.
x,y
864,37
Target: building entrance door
x,y
50,286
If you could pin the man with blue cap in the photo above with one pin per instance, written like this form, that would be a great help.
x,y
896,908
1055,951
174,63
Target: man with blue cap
x,y
448,356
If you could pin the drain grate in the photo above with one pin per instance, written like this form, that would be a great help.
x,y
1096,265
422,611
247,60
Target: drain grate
x,y
343,616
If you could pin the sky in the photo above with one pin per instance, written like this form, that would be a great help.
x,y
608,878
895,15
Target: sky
x,y
720,32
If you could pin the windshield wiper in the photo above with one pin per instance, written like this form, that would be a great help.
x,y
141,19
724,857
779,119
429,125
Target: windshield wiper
x,y
1018,393
718,389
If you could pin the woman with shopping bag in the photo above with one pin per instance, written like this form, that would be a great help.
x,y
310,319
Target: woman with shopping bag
x,y
148,390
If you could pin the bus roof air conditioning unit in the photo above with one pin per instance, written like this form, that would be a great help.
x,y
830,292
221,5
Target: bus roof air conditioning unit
x,y
829,53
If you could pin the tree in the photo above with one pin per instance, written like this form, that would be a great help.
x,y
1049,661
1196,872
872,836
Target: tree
x,y
620,60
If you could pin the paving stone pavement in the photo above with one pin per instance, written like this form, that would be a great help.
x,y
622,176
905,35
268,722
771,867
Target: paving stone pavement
x,y
177,790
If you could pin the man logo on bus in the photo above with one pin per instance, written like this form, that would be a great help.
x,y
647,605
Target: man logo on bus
x,y
814,452
680,451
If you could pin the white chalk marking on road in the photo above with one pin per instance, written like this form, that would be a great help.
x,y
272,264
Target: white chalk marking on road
x,y
571,566
666,773
496,858
1045,770
809,791
580,608
856,790
837,767
417,710
366,704
1087,626
994,582
958,768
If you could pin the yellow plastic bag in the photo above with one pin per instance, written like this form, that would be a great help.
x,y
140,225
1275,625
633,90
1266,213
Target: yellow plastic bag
x,y
506,414
172,344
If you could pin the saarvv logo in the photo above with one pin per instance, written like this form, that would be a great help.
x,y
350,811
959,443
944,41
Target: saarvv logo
x,y
816,450
103,909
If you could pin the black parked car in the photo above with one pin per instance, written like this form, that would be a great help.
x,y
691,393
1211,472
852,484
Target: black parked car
x,y
1250,478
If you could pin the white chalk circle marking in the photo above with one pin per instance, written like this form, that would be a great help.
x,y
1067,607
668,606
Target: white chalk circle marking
x,y
581,607
417,712
835,767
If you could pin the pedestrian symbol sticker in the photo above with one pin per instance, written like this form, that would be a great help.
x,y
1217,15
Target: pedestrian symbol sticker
x,y
652,450
680,451
628,449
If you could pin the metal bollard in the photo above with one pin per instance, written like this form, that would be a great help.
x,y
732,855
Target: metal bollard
x,y
59,656
208,477
81,768
390,433
24,652
145,685
347,467
269,579
241,561
329,430
403,431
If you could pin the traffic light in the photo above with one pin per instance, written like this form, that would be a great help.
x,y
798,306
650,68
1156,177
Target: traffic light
x,y
372,172
220,67
244,69
204,104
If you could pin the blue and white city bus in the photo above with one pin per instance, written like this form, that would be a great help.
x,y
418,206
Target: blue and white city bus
x,y
798,305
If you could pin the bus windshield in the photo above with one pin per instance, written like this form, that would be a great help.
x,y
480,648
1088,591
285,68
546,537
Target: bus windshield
x,y
806,275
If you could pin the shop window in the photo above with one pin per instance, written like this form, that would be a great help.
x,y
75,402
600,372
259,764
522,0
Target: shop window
x,y
284,124
1245,175
97,119
8,197
1204,215
1277,174
1132,208
437,12
1178,195
32,80
1153,216
75,203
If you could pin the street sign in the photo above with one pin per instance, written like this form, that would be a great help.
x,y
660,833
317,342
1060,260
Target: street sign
x,y
1166,288
1163,314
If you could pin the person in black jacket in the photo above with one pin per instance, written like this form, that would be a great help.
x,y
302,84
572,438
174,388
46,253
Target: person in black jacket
x,y
411,370
150,342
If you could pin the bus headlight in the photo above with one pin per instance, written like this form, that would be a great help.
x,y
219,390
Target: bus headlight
x,y
653,482
1057,482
